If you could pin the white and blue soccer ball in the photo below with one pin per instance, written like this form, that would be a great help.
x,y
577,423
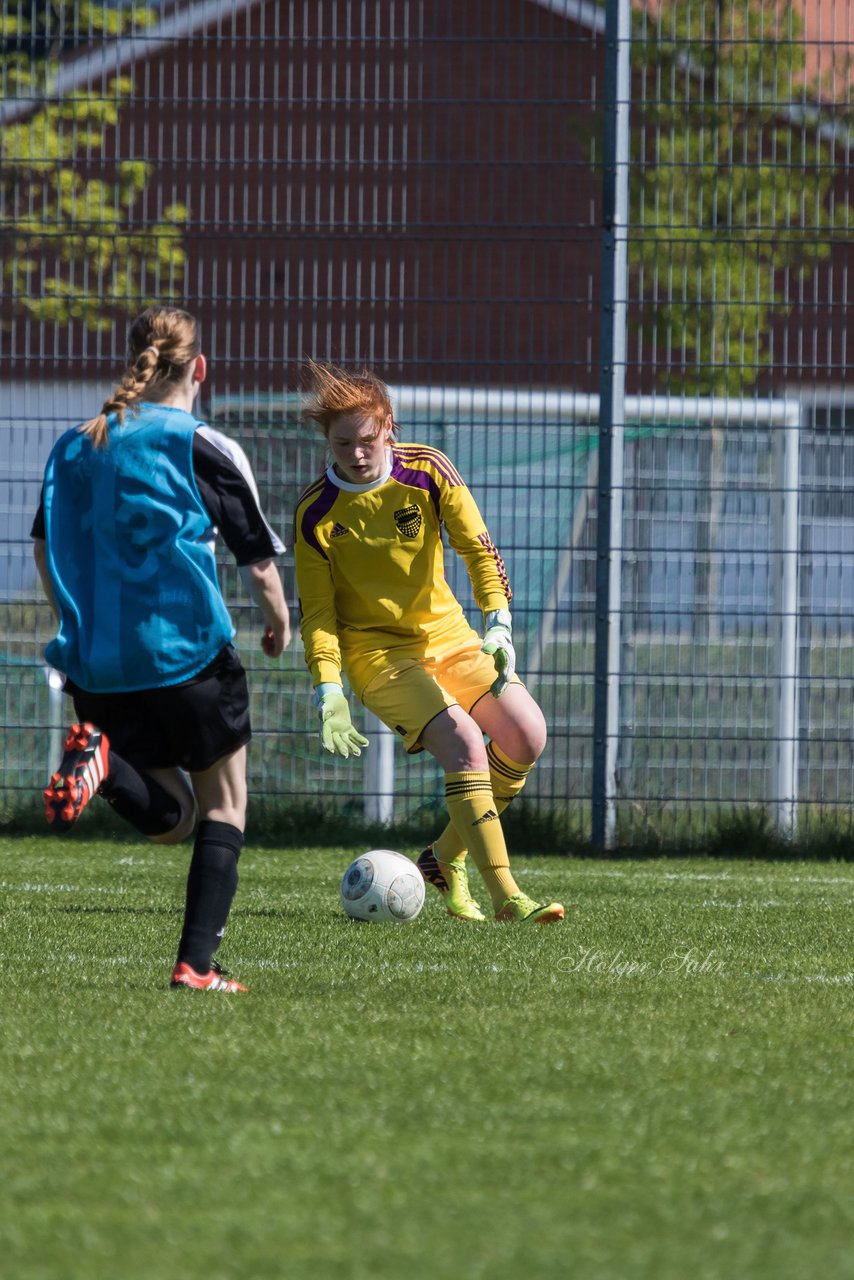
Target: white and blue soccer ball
x,y
384,886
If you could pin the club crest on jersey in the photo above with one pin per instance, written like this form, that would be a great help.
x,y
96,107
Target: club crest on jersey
x,y
408,520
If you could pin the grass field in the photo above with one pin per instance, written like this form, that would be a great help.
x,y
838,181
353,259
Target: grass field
x,y
661,1087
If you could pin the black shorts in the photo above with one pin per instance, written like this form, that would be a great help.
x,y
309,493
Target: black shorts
x,y
189,725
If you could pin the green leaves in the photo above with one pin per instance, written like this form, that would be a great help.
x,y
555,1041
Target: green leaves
x,y
72,246
728,198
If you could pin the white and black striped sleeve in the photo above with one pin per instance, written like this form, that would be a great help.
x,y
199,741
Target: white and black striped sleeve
x,y
228,489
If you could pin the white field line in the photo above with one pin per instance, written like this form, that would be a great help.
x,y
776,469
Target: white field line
x,y
27,886
578,872
706,904
820,979
746,904
636,873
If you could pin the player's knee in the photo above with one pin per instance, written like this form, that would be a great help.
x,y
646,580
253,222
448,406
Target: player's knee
x,y
232,812
536,736
470,745
182,829
525,742
456,741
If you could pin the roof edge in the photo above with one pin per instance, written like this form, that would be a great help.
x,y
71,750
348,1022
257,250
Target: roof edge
x,y
114,56
584,12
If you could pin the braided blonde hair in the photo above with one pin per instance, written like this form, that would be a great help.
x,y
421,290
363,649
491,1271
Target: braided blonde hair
x,y
333,392
162,342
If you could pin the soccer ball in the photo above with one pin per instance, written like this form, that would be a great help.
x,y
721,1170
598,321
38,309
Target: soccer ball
x,y
382,885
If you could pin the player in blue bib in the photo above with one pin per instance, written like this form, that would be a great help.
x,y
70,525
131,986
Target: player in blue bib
x,y
124,541
130,554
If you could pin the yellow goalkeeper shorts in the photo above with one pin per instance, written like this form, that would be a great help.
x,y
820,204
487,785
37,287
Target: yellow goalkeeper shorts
x,y
410,692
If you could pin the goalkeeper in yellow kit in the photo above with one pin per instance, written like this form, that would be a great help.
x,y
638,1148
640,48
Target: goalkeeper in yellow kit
x,y
375,603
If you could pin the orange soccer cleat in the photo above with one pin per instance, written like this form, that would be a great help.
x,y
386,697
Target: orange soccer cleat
x,y
84,766
183,975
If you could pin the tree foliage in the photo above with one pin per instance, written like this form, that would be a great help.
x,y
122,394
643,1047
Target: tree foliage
x,y
74,244
731,185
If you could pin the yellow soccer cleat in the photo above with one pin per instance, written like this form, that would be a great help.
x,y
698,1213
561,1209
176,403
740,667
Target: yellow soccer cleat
x,y
453,887
519,909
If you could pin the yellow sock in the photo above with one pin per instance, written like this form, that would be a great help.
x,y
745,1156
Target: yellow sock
x,y
472,810
507,779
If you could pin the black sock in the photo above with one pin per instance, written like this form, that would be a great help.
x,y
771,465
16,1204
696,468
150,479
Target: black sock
x,y
211,886
139,798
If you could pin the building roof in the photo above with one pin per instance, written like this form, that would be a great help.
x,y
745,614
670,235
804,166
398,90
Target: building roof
x,y
828,37
98,65
828,33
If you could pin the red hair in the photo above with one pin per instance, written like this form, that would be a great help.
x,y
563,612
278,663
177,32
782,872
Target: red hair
x,y
334,393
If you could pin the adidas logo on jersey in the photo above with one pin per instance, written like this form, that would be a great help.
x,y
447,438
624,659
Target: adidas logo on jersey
x,y
489,816
338,531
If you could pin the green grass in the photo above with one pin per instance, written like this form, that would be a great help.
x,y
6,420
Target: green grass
x,y
658,1088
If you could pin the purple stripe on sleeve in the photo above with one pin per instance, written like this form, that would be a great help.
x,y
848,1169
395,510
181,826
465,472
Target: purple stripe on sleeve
x,y
423,453
487,543
315,512
417,479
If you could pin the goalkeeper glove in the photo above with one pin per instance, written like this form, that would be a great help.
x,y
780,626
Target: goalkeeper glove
x,y
498,643
337,732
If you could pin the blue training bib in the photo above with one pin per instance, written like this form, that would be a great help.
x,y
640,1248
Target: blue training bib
x,y
130,549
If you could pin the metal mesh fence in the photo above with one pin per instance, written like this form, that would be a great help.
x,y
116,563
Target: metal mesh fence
x,y
737,539
418,187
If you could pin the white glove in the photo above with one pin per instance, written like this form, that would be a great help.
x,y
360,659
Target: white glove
x,y
498,643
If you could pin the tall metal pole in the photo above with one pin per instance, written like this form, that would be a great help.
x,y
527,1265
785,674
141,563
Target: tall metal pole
x,y
785,526
612,377
378,783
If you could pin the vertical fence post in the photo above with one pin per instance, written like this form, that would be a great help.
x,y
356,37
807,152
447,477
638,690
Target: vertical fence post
x,y
378,785
612,376
785,529
55,699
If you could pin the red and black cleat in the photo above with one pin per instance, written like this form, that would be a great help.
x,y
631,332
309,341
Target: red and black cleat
x,y
84,766
216,979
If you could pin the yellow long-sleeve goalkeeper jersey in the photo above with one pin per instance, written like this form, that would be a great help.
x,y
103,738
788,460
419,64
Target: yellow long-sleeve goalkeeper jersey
x,y
370,565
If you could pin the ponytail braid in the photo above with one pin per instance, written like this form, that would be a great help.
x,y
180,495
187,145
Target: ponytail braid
x,y
161,344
